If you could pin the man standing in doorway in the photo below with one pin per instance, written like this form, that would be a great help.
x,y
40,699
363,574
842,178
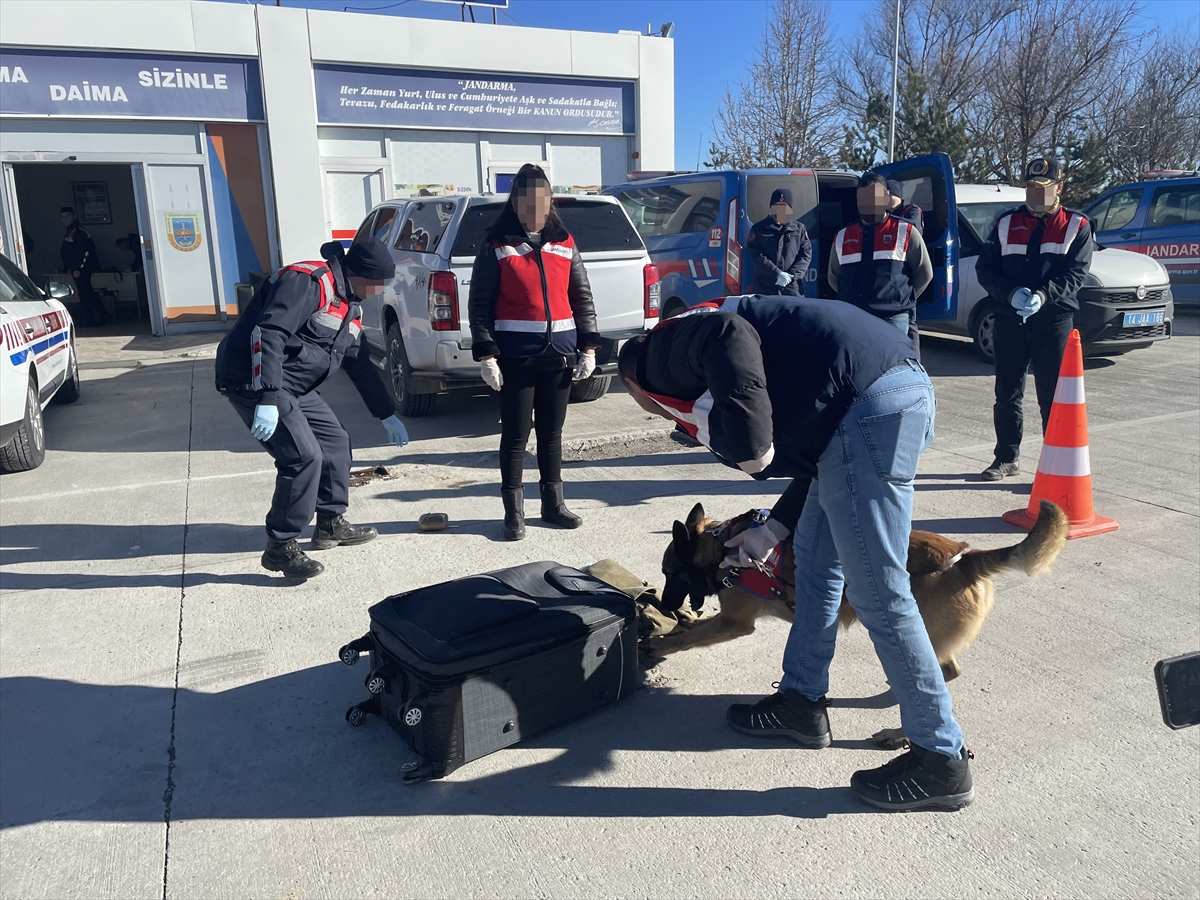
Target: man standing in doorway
x,y
78,254
1032,266
780,249
880,263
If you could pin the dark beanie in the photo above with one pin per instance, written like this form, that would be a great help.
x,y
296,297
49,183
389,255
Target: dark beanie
x,y
781,195
894,188
370,259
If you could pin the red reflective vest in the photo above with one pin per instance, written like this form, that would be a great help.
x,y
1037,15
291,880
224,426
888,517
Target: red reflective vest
x,y
1015,229
872,260
533,308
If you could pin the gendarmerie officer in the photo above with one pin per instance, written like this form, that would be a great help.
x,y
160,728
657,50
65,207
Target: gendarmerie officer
x,y
78,255
299,330
1032,266
780,249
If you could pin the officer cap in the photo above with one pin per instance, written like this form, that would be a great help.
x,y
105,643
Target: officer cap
x,y
370,259
1042,171
781,195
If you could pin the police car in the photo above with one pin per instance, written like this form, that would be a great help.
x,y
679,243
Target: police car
x,y
39,364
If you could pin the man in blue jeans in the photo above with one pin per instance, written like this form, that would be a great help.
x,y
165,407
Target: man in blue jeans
x,y
830,396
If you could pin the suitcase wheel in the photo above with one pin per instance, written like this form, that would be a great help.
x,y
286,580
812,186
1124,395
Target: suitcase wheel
x,y
376,684
348,655
355,716
413,716
358,713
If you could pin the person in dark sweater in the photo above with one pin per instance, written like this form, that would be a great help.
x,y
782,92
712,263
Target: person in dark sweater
x,y
78,255
831,397
780,249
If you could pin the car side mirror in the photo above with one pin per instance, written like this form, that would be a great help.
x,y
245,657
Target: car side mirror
x,y
58,290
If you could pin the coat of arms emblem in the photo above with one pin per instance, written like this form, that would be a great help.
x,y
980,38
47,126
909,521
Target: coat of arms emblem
x,y
183,231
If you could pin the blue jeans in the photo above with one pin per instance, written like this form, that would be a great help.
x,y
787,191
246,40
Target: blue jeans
x,y
853,533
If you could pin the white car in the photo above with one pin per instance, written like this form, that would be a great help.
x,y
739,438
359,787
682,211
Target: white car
x,y
39,364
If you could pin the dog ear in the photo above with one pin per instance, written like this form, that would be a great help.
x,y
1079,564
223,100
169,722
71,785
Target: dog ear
x,y
682,538
695,517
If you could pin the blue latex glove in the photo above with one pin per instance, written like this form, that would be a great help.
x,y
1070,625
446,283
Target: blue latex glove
x,y
783,279
266,420
396,432
1025,302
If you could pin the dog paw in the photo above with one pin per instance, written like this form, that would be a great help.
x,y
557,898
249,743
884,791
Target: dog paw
x,y
891,738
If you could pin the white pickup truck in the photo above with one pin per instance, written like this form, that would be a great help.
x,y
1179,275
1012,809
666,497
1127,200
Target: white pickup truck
x,y
418,330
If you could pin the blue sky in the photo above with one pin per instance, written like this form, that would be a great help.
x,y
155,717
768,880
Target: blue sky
x,y
713,38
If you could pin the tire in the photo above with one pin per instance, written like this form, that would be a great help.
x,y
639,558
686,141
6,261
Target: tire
x,y
68,392
348,655
590,388
27,449
355,716
673,307
398,381
983,333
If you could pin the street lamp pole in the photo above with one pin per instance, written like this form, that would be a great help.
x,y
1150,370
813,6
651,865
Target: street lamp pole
x,y
895,85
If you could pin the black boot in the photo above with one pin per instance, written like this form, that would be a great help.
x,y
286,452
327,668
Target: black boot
x,y
553,510
288,558
514,513
334,530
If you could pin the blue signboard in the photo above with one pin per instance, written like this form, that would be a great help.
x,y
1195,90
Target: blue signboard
x,y
349,95
111,85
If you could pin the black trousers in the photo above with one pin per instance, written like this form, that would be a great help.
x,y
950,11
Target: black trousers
x,y
312,461
91,309
537,399
1038,344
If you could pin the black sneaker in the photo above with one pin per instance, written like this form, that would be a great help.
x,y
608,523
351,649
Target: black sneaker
x,y
784,714
998,471
918,779
332,531
288,558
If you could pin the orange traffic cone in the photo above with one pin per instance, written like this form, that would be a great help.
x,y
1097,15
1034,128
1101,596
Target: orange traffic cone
x,y
1064,472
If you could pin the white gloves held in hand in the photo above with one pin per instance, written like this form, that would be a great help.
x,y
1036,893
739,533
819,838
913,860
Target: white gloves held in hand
x,y
490,370
783,279
754,544
585,367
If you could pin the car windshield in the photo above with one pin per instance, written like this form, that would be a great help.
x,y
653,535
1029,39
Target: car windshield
x,y
597,226
982,216
15,284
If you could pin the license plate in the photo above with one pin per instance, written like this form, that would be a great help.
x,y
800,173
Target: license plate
x,y
1138,319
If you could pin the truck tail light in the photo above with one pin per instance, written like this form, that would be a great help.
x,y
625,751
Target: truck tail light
x,y
651,294
443,301
733,252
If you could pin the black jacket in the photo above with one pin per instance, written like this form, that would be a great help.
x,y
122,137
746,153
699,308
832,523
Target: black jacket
x,y
300,349
1058,275
776,248
78,251
781,371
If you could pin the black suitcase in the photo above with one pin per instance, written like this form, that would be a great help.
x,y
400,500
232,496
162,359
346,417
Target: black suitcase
x,y
467,667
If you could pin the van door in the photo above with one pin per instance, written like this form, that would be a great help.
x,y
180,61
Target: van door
x,y
1172,235
759,185
928,181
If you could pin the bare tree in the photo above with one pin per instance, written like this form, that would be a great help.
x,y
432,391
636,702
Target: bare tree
x,y
783,112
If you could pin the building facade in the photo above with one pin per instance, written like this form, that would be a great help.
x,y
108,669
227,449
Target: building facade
x,y
225,139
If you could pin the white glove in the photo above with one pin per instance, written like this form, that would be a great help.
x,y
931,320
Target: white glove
x,y
755,543
490,370
585,367
783,279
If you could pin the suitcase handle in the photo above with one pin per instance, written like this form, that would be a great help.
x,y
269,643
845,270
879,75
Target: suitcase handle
x,y
575,582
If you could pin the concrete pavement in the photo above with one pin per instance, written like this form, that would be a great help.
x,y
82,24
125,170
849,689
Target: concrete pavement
x,y
171,714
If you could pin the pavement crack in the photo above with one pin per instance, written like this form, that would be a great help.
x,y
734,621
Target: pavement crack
x,y
169,792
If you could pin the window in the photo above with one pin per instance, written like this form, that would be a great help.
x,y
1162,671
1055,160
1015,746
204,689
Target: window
x,y
969,243
760,187
15,284
595,225
364,230
677,208
383,221
425,226
983,216
1175,205
1115,211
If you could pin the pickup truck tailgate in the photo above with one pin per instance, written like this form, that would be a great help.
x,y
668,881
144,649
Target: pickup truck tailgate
x,y
618,288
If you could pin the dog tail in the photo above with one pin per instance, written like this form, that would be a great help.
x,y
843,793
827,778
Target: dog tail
x,y
1033,556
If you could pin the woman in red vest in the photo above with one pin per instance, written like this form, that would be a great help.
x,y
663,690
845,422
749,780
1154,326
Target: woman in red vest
x,y
533,331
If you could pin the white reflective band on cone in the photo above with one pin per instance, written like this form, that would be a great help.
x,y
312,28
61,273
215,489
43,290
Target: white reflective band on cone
x,y
1069,390
1071,461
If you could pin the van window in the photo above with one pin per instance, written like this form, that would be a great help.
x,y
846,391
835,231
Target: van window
x,y
1115,211
673,208
1175,205
596,226
759,189
425,226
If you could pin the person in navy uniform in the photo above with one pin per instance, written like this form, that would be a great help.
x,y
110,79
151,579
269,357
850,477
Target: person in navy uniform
x,y
78,254
880,263
1032,266
780,249
901,210
831,397
299,329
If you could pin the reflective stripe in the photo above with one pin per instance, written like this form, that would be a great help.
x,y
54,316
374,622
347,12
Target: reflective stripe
x,y
1069,461
1069,390
754,466
533,327
355,328
1072,232
512,250
696,417
256,358
844,258
558,250
900,250
1007,249
320,317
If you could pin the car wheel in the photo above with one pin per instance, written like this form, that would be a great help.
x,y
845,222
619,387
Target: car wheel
x,y
69,391
590,389
398,380
983,332
27,449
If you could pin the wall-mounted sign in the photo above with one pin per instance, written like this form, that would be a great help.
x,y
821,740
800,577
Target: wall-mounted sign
x,y
350,95
110,85
91,202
